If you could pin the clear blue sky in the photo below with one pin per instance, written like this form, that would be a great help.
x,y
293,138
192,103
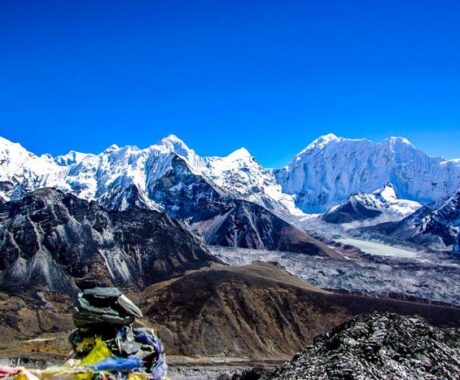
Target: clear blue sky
x,y
267,75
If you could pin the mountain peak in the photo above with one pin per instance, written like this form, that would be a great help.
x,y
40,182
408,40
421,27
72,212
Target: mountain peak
x,y
320,142
112,148
72,157
173,144
240,153
386,193
394,140
324,139
172,140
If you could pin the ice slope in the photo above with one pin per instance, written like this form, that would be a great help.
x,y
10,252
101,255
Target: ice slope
x,y
332,168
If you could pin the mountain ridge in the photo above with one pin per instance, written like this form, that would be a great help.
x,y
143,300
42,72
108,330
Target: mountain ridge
x,y
323,174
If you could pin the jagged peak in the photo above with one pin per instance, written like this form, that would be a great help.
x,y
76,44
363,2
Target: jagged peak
x,y
173,139
173,143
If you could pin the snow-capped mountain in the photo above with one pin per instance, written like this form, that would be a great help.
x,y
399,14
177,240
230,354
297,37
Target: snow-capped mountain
x,y
332,168
380,205
118,169
20,167
225,200
436,226
240,175
171,176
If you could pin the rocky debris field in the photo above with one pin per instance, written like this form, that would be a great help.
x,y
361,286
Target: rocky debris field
x,y
426,278
378,346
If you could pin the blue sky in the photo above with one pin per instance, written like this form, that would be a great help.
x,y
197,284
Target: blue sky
x,y
267,75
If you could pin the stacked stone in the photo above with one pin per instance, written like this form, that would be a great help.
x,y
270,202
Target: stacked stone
x,y
105,320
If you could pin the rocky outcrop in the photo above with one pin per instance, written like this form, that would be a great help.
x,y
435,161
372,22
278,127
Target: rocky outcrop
x,y
378,346
54,240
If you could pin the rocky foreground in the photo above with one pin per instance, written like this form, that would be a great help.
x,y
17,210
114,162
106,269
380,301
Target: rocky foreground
x,y
378,346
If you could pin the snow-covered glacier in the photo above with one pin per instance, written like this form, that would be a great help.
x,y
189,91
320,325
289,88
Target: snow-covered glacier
x,y
332,168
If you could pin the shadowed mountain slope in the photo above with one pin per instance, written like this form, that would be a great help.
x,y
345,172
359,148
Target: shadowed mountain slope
x,y
53,240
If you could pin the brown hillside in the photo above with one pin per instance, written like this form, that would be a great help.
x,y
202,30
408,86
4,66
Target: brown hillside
x,y
258,310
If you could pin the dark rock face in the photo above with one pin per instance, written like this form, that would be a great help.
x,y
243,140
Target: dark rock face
x,y
349,212
247,225
123,196
186,195
222,220
379,346
54,240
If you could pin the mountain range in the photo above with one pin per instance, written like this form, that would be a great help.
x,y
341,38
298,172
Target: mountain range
x,y
143,220
233,200
325,173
